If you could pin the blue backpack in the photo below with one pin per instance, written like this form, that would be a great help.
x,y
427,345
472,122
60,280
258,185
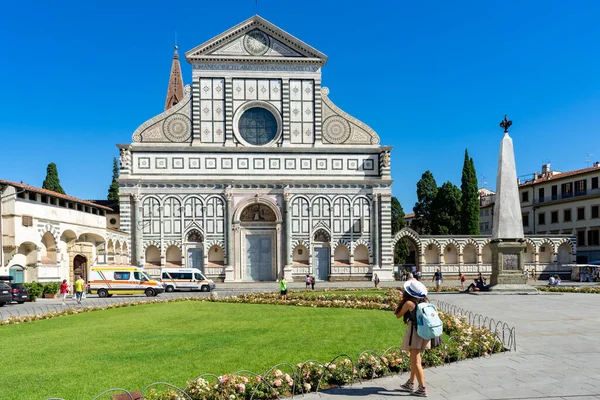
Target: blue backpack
x,y
429,324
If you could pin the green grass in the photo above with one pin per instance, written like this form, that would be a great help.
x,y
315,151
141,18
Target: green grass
x,y
79,356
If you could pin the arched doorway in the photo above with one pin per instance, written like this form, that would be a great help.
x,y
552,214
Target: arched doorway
x,y
321,246
18,273
195,249
259,242
80,267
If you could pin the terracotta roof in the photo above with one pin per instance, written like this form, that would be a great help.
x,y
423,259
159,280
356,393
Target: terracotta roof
x,y
52,193
560,175
411,215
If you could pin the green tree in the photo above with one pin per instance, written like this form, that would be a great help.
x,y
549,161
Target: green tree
x,y
445,210
469,212
52,182
426,192
401,251
113,190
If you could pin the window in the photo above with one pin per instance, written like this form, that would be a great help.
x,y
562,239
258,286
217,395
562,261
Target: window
x,y
122,276
566,189
524,197
554,217
21,195
594,211
580,238
580,187
541,195
258,126
113,221
542,218
595,182
580,213
554,192
525,219
199,277
27,220
567,215
32,196
44,199
594,237
177,275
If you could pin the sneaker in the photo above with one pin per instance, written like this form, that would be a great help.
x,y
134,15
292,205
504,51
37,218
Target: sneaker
x,y
421,392
409,386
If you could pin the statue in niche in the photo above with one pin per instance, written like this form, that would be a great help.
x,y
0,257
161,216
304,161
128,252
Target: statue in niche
x,y
321,236
125,158
195,236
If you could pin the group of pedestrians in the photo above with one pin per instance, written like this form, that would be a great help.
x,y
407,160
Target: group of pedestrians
x,y
78,288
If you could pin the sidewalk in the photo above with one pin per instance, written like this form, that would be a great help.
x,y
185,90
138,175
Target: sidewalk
x,y
558,355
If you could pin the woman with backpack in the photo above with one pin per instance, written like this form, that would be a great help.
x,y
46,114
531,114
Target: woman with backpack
x,y
414,293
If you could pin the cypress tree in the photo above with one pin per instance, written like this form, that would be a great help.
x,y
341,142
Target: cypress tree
x,y
426,191
113,190
52,182
469,213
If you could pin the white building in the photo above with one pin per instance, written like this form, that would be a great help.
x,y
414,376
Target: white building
x,y
253,172
554,202
48,236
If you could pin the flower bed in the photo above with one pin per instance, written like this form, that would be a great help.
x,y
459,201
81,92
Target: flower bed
x,y
569,289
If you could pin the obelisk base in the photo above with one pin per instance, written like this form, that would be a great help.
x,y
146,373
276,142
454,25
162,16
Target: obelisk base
x,y
507,267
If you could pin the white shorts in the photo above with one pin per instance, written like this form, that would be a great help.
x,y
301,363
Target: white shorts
x,y
438,282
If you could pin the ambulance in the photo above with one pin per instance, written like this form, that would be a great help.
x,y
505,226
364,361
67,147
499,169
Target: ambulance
x,y
185,279
106,281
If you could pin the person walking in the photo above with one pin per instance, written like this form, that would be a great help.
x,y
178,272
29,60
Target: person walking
x,y
414,293
462,278
64,291
312,282
283,288
79,286
437,277
376,280
308,282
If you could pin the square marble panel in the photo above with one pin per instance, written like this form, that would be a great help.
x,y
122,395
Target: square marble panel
x,y
144,163
368,165
290,163
194,163
305,163
337,164
242,163
353,164
160,163
177,163
321,163
210,163
274,163
259,163
227,163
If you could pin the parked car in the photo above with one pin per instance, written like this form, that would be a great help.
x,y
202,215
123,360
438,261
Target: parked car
x,y
5,296
19,293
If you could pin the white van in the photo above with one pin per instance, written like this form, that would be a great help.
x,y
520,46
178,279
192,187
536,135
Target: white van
x,y
106,281
185,279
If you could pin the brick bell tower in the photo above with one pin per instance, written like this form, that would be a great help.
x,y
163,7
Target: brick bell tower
x,y
175,90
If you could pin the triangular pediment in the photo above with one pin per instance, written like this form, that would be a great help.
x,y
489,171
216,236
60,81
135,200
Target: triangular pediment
x,y
254,40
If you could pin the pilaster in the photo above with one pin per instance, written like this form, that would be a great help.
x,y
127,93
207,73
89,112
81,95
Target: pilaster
x,y
375,220
228,240
138,236
228,110
285,107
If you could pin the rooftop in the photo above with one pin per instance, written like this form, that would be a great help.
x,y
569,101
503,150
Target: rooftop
x,y
554,175
52,193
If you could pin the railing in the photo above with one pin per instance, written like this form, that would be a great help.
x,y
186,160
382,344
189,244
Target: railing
x,y
569,195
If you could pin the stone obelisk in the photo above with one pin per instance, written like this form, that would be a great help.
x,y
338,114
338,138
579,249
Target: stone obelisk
x,y
508,241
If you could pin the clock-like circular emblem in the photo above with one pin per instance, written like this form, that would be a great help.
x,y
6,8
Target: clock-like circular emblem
x,y
336,129
177,128
256,42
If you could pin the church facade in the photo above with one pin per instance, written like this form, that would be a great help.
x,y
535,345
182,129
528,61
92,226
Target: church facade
x,y
252,172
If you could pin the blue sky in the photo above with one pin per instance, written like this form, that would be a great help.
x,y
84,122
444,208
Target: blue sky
x,y
431,77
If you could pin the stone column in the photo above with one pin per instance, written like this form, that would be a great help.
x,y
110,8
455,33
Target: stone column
x,y
138,235
228,238
375,216
287,232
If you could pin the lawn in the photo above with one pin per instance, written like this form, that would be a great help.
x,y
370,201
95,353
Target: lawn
x,y
79,356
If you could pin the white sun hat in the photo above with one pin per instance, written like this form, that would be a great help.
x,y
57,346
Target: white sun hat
x,y
415,288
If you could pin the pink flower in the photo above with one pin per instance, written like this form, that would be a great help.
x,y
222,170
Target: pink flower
x,y
244,379
241,387
277,382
